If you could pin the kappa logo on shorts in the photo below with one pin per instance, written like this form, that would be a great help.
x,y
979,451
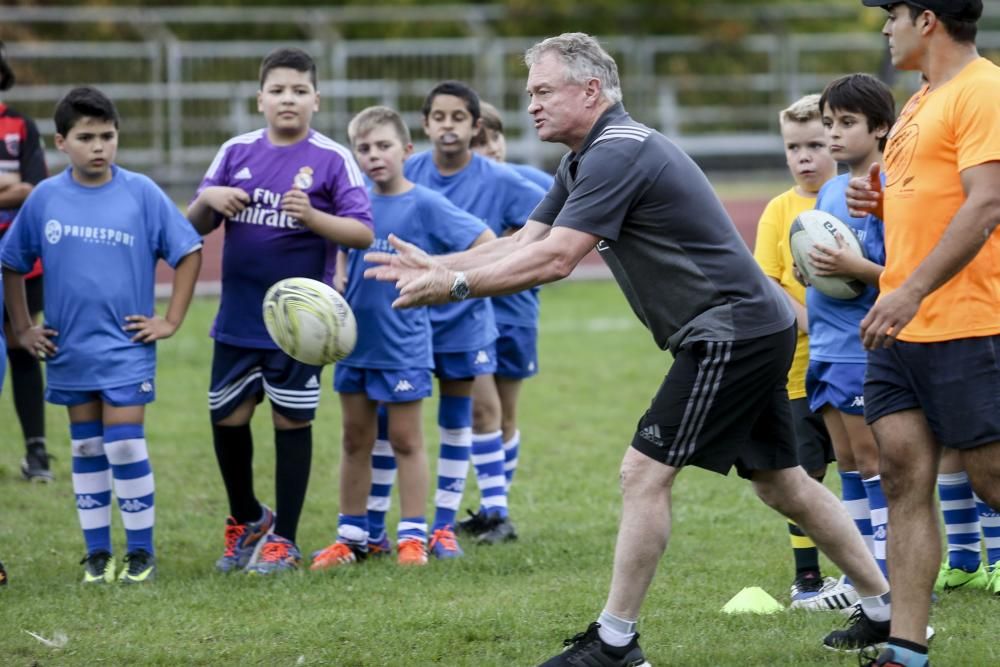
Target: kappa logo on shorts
x,y
87,502
312,383
403,385
858,402
531,367
133,505
652,434
482,358
146,387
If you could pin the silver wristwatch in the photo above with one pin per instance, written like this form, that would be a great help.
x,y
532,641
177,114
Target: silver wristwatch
x,y
459,288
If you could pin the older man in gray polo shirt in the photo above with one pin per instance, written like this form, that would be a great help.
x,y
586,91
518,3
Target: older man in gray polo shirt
x,y
652,215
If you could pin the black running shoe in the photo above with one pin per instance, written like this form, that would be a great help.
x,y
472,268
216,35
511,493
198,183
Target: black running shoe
x,y
498,529
476,524
587,650
861,632
35,464
139,567
98,568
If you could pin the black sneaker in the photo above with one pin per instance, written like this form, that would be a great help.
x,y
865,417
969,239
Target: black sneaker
x,y
98,568
476,524
139,567
587,650
35,464
3,575
498,529
861,632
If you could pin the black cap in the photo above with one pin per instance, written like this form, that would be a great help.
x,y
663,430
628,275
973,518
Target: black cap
x,y
965,10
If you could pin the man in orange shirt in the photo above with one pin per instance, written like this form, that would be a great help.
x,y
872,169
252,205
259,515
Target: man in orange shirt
x,y
933,337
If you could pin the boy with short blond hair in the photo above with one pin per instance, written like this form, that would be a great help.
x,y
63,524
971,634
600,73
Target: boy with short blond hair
x,y
391,364
810,164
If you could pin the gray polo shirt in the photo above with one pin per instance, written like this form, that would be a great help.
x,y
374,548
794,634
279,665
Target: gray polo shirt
x,y
665,235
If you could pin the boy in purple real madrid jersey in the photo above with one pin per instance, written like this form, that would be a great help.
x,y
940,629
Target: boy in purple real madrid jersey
x,y
288,196
392,362
99,229
465,334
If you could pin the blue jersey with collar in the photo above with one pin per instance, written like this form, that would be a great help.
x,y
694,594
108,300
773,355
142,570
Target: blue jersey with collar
x,y
396,339
834,324
497,195
99,246
542,179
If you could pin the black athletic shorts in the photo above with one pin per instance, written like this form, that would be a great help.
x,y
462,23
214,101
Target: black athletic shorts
x,y
33,290
815,446
724,404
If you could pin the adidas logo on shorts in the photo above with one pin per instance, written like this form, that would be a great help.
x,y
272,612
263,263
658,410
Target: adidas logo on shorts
x,y
482,357
312,383
652,434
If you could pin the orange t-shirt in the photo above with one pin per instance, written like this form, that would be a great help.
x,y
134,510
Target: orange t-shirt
x,y
939,134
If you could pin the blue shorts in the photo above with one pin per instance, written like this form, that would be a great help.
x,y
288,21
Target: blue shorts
x,y
239,372
955,383
138,393
387,386
517,351
466,365
839,385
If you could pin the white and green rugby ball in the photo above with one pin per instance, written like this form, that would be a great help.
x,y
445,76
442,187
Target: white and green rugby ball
x,y
310,321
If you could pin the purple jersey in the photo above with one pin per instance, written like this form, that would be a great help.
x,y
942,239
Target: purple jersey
x,y
263,244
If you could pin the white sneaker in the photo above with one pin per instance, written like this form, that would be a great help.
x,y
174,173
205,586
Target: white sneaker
x,y
836,594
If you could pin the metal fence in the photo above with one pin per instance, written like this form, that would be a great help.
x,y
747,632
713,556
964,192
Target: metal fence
x,y
181,99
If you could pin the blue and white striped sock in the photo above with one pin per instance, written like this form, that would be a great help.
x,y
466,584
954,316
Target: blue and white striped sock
x,y
353,529
412,528
383,477
92,484
852,490
990,520
961,521
125,445
488,458
879,519
511,449
455,422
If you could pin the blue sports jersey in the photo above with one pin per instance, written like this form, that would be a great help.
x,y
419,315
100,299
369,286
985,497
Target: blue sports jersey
x,y
393,339
99,246
496,194
542,179
834,324
263,244
3,340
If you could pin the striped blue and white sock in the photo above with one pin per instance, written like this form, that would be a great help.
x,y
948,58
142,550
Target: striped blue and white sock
x,y
961,521
488,458
879,519
125,445
383,477
511,449
455,422
852,490
92,484
412,528
353,529
990,520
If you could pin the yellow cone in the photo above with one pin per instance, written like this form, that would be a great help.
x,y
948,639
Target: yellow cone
x,y
753,600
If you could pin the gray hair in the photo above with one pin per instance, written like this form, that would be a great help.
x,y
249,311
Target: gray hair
x,y
584,60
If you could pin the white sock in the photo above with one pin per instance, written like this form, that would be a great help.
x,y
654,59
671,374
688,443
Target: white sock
x,y
877,607
614,630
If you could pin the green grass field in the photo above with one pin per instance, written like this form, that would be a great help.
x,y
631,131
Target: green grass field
x,y
508,605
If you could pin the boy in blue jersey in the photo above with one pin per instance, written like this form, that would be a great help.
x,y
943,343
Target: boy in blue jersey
x,y
99,229
517,321
288,196
858,110
392,362
465,332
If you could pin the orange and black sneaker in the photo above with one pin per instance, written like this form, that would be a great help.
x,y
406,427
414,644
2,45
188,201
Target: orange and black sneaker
x,y
242,539
412,552
380,548
337,554
277,554
444,545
